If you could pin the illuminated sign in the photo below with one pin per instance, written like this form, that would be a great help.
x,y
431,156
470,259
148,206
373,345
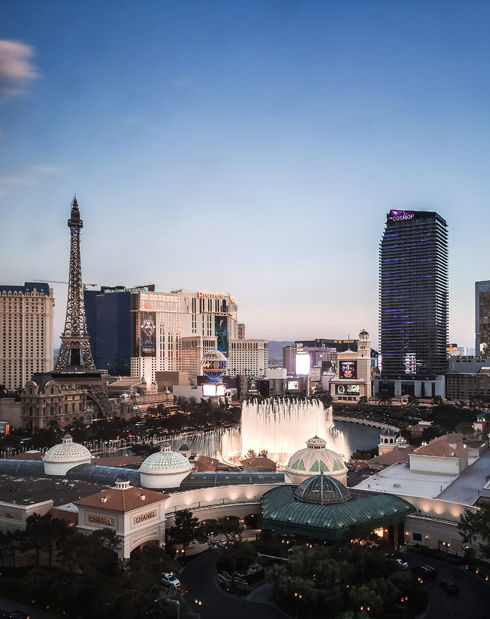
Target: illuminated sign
x,y
348,369
401,215
203,294
353,388
147,306
347,389
143,517
209,390
220,390
148,334
293,385
101,520
302,364
452,348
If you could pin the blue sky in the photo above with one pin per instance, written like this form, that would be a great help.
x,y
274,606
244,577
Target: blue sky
x,y
251,147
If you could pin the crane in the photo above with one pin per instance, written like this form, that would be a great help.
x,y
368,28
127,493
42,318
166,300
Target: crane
x,y
54,281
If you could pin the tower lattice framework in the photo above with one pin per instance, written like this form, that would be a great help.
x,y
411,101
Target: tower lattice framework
x,y
75,341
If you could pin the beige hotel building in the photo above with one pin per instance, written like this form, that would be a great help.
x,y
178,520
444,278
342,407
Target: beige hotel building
x,y
26,323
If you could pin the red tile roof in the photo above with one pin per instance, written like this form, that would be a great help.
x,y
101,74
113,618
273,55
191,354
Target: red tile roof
x,y
122,500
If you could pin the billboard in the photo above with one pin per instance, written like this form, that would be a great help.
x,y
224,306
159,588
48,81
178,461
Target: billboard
x,y
348,369
209,390
293,385
148,334
347,389
302,364
221,333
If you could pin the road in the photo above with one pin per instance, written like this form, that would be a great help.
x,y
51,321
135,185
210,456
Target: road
x,y
199,576
33,613
473,601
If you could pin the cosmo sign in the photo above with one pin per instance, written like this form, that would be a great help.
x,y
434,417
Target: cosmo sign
x,y
401,215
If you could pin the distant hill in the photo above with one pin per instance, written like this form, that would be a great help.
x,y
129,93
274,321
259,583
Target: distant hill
x,y
275,349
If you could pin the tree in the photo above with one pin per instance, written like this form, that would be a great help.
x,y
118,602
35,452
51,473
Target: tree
x,y
477,525
42,533
186,528
251,453
263,453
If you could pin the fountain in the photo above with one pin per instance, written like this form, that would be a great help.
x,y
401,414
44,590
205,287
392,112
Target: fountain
x,y
281,427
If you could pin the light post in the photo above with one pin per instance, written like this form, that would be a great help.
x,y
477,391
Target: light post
x,y
404,604
298,597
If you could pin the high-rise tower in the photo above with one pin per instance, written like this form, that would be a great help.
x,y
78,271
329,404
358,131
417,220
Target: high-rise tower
x,y
413,299
482,318
75,346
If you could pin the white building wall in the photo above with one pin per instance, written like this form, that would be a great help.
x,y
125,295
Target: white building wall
x,y
248,358
435,464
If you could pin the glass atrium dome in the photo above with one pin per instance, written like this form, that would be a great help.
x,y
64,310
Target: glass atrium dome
x,y
322,490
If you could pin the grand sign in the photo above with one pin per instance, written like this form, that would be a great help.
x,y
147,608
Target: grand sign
x,y
143,517
101,520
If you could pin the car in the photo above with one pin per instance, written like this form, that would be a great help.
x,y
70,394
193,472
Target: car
x,y
425,571
449,587
403,564
170,580
12,614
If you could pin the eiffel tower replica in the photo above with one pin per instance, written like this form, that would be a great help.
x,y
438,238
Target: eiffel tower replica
x,y
75,367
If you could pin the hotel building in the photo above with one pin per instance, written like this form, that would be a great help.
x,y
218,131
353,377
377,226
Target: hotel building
x,y
413,304
26,322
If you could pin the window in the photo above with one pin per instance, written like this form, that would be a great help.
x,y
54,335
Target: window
x,y
417,537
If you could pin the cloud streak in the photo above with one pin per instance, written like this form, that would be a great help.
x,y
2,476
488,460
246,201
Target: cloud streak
x,y
16,70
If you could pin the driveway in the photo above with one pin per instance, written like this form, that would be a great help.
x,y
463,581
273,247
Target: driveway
x,y
473,601
199,577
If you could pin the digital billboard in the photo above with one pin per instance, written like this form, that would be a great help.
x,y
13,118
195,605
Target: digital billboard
x,y
209,390
221,333
302,364
347,389
293,385
148,338
348,369
220,390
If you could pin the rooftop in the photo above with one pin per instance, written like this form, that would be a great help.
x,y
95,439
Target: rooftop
x,y
399,479
122,499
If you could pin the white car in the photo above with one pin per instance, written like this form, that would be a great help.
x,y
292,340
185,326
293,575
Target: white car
x,y
403,564
170,580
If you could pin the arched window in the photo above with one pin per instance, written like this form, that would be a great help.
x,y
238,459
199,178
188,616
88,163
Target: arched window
x,y
52,389
51,410
30,411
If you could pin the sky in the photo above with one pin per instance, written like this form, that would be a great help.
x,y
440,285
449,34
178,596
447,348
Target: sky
x,y
251,147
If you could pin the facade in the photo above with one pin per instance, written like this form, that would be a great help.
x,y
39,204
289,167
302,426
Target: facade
x,y
353,373
136,515
26,323
108,314
321,357
482,318
45,400
160,320
248,358
194,347
413,300
463,387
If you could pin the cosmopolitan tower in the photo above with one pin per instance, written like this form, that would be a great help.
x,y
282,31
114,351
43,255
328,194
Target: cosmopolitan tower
x,y
413,306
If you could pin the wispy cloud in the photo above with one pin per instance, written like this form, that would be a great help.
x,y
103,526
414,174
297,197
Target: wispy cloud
x,y
16,70
28,178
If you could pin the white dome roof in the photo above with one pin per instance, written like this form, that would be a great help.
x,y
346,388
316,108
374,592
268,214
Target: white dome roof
x,y
316,459
165,462
67,451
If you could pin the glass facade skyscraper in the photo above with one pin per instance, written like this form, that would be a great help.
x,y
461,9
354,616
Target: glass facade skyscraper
x,y
413,305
